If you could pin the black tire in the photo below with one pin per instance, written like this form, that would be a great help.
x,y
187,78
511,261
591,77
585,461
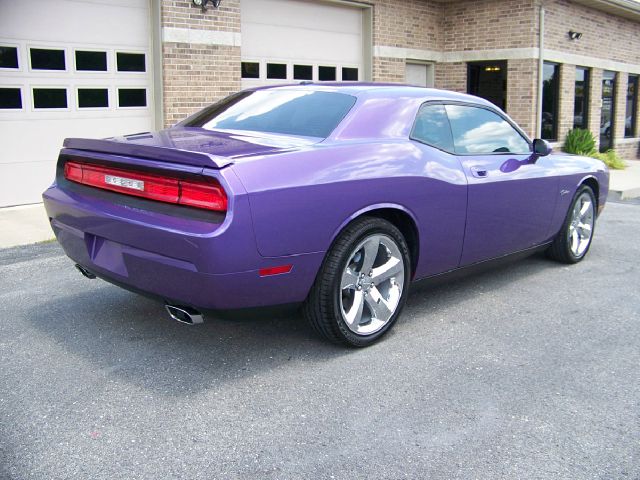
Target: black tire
x,y
322,306
560,249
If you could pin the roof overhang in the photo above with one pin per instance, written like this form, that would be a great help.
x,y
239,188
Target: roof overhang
x,y
623,8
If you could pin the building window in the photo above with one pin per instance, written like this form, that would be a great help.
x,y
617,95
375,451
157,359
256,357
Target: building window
x,y
488,80
132,97
49,98
326,74
607,114
250,70
277,70
8,57
93,98
550,84
45,59
581,103
303,72
349,74
130,62
10,99
632,107
87,61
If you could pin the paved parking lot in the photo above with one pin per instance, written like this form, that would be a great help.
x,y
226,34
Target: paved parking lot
x,y
526,371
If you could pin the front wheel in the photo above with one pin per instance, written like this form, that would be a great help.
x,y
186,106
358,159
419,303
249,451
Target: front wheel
x,y
574,240
362,285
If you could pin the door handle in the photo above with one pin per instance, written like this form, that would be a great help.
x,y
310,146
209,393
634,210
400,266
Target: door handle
x,y
479,172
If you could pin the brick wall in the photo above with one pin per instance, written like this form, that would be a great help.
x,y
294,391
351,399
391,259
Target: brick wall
x,y
603,35
408,24
489,24
196,75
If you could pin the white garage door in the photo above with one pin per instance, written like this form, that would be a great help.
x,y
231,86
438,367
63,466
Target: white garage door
x,y
67,68
293,40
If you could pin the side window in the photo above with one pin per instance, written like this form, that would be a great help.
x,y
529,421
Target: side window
x,y
478,130
432,127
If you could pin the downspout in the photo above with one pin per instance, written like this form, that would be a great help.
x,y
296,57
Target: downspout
x,y
156,62
540,72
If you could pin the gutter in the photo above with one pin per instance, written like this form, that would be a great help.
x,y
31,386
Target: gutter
x,y
540,72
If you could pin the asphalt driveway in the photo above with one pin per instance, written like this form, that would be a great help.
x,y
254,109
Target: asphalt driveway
x,y
530,370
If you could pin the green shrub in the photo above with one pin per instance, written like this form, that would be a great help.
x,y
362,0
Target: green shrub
x,y
580,142
611,158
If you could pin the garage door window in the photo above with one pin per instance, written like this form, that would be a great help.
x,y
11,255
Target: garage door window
x,y
276,70
49,98
132,97
88,61
47,59
326,74
10,99
8,57
93,98
250,70
303,72
349,74
130,62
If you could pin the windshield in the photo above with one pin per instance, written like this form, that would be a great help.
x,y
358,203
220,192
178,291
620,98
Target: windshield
x,y
289,112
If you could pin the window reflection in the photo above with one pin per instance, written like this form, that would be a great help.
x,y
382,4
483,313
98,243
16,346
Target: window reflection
x,y
478,130
432,127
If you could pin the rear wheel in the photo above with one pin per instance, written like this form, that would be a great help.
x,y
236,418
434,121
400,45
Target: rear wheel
x,y
574,240
362,285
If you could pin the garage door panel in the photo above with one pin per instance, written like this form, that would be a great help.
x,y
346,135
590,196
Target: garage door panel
x,y
297,32
300,44
97,102
77,21
307,15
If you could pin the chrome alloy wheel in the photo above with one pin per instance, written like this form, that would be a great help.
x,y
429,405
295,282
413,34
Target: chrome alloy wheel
x,y
581,226
371,285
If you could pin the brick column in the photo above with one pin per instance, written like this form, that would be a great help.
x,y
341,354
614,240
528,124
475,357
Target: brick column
x,y
620,102
522,93
595,103
566,101
200,55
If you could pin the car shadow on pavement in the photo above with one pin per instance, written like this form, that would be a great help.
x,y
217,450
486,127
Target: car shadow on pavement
x,y
122,334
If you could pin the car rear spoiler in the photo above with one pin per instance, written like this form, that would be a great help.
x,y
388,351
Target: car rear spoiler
x,y
150,152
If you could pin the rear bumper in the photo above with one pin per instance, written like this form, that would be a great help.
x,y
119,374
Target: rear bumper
x,y
184,261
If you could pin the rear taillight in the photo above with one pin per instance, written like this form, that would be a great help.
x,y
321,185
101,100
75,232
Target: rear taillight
x,y
199,194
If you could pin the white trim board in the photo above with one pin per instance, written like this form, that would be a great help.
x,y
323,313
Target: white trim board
x,y
532,53
200,37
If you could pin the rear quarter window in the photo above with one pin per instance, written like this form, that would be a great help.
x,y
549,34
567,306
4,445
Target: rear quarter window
x,y
287,112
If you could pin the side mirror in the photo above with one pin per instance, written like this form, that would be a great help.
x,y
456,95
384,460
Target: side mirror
x,y
541,147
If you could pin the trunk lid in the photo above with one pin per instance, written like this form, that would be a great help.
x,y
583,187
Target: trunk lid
x,y
192,146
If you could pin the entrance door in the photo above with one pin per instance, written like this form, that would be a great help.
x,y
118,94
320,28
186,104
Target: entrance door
x,y
607,113
488,80
510,199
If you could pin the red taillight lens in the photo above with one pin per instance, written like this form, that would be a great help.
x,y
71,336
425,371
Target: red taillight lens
x,y
202,195
207,195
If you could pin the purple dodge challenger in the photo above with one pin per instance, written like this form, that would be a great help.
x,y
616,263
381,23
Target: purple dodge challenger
x,y
334,196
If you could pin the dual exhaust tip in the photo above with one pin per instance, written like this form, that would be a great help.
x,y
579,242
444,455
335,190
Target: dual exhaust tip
x,y
187,315
179,313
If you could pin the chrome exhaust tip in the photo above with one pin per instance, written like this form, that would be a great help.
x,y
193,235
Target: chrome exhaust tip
x,y
187,315
85,272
